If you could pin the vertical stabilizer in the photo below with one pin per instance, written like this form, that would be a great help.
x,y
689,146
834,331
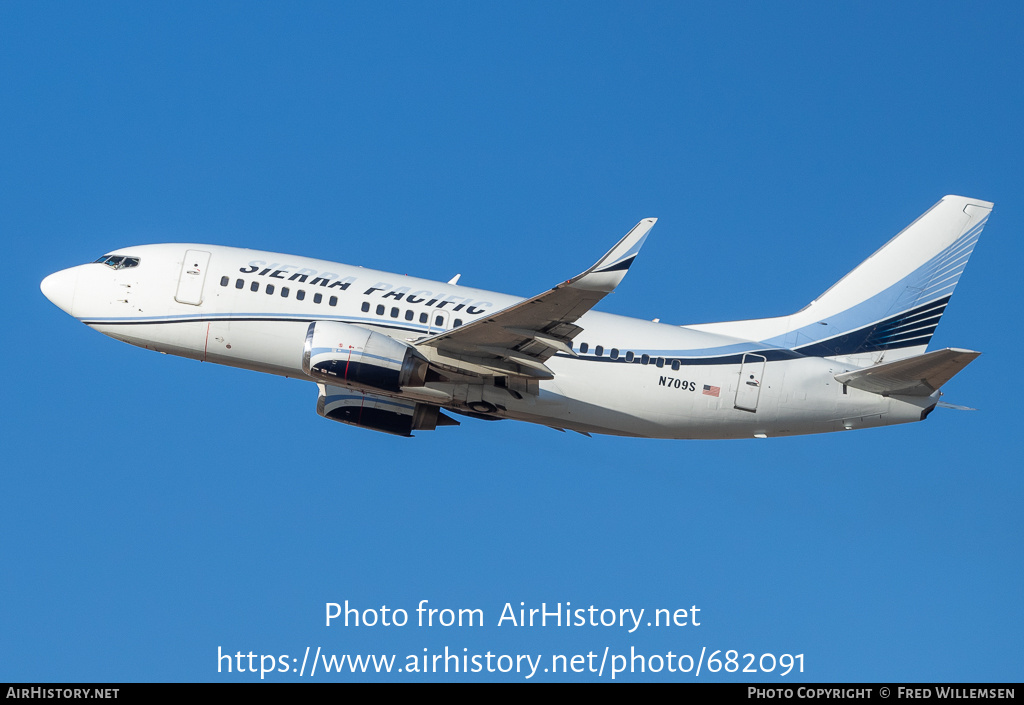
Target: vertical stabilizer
x,y
889,306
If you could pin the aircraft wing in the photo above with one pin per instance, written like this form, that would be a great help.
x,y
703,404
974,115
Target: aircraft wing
x,y
519,339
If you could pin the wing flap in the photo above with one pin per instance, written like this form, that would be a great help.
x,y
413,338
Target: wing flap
x,y
916,376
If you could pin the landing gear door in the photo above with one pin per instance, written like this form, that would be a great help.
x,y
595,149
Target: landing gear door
x,y
751,379
192,277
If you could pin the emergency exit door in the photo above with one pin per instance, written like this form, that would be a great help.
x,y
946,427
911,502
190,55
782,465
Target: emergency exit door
x,y
438,321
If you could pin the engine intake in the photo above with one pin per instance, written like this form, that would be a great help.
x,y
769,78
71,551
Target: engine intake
x,y
346,355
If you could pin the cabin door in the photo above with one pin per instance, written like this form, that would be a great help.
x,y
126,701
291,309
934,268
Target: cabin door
x,y
192,277
751,379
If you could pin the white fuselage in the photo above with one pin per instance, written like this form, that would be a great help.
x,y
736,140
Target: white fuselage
x,y
629,376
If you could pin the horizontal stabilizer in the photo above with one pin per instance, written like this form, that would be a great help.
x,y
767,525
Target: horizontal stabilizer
x,y
955,407
916,376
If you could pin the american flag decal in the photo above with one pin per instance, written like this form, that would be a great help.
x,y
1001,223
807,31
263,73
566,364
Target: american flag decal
x,y
711,391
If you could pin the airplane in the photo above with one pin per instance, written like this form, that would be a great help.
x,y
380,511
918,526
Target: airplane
x,y
393,353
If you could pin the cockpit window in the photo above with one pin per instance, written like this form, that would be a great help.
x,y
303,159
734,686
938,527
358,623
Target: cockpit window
x,y
118,261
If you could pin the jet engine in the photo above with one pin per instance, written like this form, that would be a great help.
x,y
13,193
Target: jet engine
x,y
379,413
351,356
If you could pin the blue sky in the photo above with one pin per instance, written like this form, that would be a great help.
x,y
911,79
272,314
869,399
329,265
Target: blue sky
x,y
157,509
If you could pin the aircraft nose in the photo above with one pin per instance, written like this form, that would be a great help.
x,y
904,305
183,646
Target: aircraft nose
x,y
59,288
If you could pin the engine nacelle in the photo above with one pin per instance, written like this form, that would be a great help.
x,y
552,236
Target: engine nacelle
x,y
379,413
352,356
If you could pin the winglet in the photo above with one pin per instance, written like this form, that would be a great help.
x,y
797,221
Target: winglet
x,y
610,269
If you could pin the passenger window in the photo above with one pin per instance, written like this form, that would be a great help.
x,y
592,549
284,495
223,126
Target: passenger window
x,y
439,321
645,358
458,322
423,318
224,281
239,283
583,348
408,315
270,289
614,354
255,286
660,362
333,301
630,356
300,294
395,312
675,365
317,298
284,292
380,309
599,350
365,308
